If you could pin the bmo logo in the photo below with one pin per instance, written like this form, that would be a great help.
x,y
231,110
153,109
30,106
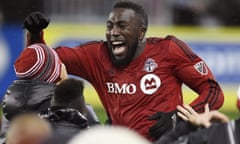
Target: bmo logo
x,y
121,89
150,83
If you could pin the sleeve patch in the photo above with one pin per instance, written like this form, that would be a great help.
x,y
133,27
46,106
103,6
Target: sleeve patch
x,y
201,68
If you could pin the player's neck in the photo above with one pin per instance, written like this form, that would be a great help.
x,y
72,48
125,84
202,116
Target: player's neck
x,y
140,49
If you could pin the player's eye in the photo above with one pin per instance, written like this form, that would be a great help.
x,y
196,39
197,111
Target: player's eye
x,y
122,25
109,26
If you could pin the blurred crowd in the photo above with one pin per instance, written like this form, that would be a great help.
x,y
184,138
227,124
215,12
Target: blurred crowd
x,y
161,12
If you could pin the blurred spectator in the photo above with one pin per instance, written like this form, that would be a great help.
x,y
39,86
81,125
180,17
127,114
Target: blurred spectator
x,y
227,12
14,11
68,111
28,129
108,135
238,98
187,12
36,84
39,70
211,127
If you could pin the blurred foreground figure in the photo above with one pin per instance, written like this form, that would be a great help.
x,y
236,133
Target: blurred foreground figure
x,y
108,135
210,127
28,129
68,112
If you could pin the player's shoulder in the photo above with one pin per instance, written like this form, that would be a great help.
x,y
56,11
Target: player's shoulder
x,y
174,39
154,40
179,47
168,38
92,43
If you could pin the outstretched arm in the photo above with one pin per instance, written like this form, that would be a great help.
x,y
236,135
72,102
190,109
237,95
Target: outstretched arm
x,y
76,59
35,22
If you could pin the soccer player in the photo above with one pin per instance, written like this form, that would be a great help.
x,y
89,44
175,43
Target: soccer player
x,y
139,80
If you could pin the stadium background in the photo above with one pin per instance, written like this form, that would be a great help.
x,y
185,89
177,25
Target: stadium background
x,y
215,42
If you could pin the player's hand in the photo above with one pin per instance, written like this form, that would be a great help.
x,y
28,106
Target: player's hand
x,y
164,123
35,22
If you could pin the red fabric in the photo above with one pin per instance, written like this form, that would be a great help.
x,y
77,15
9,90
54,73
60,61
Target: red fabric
x,y
238,98
26,60
133,93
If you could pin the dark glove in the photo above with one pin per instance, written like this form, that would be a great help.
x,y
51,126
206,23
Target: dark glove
x,y
35,22
164,123
108,121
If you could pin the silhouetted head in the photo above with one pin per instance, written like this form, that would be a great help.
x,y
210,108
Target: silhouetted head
x,y
69,93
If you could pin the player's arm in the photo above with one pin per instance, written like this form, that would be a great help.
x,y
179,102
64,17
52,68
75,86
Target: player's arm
x,y
185,65
193,71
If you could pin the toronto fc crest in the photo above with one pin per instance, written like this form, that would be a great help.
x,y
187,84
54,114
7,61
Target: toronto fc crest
x,y
150,65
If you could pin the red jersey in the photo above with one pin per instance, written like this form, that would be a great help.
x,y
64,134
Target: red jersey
x,y
150,83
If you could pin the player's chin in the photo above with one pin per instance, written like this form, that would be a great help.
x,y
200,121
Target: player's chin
x,y
119,57
119,62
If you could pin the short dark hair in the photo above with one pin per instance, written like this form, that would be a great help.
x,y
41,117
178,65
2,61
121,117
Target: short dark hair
x,y
135,7
68,91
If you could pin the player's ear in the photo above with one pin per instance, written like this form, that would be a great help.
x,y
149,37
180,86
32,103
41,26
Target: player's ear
x,y
142,33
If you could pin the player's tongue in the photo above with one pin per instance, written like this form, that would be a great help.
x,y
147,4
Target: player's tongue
x,y
118,50
118,47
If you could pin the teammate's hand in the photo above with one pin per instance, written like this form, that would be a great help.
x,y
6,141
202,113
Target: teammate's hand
x,y
204,119
35,22
164,123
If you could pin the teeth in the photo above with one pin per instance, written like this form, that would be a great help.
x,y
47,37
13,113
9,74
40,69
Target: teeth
x,y
117,42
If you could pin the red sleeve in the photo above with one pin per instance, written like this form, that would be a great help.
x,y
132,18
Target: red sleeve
x,y
79,61
193,71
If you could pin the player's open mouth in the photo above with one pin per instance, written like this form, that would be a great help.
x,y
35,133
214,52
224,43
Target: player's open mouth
x,y
118,48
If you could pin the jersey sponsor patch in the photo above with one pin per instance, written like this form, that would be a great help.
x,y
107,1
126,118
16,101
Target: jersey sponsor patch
x,y
150,65
150,83
201,68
